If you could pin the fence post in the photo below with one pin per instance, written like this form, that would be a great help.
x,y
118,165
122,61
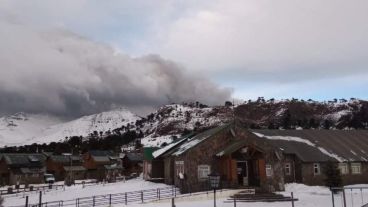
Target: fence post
x,y
93,201
333,197
159,194
234,201
142,196
26,201
175,192
40,200
172,202
110,200
126,198
292,199
344,197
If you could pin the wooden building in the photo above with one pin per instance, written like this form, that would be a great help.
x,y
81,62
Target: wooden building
x,y
306,153
262,159
153,169
102,165
132,162
228,150
22,168
66,166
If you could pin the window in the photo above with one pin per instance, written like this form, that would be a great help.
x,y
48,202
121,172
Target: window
x,y
268,170
179,168
356,168
343,167
316,169
287,169
203,171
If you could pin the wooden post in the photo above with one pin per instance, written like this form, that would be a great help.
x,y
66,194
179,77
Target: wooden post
x,y
93,201
142,196
172,202
234,201
333,198
126,198
40,200
26,201
110,200
292,199
344,196
159,194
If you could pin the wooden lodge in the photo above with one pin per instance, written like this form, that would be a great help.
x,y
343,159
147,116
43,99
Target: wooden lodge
x,y
20,168
260,159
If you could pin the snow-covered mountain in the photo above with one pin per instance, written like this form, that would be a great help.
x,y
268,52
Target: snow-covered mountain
x,y
22,128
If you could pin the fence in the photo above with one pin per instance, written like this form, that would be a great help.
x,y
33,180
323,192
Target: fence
x,y
110,199
15,190
349,197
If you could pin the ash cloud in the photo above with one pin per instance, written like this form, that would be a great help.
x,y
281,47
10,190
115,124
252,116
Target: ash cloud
x,y
60,73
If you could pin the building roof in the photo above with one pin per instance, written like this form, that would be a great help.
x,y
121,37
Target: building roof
x,y
65,158
135,156
148,152
103,155
18,160
320,145
195,140
74,168
231,148
163,150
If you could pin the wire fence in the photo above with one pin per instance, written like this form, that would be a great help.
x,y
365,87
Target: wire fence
x,y
350,197
109,199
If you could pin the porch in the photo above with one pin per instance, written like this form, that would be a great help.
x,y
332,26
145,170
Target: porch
x,y
242,166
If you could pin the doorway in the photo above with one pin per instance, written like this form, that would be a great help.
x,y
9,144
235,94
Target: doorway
x,y
242,172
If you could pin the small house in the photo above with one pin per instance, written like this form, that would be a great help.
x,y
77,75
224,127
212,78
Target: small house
x,y
22,168
102,165
66,166
132,162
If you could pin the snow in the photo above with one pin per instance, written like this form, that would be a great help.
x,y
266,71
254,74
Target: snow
x,y
150,141
166,148
309,196
21,128
286,138
189,145
301,140
78,191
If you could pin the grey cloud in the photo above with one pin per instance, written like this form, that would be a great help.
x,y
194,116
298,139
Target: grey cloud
x,y
58,72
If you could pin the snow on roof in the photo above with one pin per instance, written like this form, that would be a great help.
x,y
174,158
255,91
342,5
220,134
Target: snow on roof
x,y
161,151
301,140
198,139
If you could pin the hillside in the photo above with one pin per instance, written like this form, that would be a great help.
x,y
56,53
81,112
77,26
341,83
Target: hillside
x,y
171,121
21,128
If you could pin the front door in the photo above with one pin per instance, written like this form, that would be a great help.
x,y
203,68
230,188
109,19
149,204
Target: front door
x,y
242,171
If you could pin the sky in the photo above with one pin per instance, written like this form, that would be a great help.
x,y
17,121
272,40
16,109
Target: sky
x,y
76,57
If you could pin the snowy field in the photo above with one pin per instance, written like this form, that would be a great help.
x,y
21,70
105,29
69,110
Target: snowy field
x,y
309,196
78,191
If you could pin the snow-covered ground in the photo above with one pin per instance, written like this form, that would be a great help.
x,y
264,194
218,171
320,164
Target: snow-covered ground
x,y
309,196
78,191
